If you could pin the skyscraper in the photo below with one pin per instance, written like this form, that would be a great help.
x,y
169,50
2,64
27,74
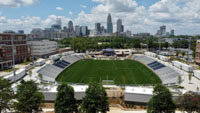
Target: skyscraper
x,y
84,30
70,26
109,24
77,30
119,25
98,27
122,28
172,32
163,30
59,22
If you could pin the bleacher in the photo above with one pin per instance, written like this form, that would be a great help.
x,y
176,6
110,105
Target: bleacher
x,y
51,71
166,74
62,64
156,65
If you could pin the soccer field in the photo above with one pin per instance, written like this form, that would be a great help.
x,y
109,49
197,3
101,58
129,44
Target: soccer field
x,y
122,72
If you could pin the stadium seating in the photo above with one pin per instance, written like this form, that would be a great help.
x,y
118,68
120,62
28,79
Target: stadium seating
x,y
166,74
51,71
62,64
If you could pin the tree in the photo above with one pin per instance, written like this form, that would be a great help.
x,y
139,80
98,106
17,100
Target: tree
x,y
30,73
29,98
177,53
183,53
166,45
65,101
189,103
161,102
190,77
40,76
6,95
95,100
179,80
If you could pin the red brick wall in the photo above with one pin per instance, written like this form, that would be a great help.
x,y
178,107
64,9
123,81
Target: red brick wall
x,y
20,44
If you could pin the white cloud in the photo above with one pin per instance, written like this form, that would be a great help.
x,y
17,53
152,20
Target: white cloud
x,y
181,15
27,23
59,8
83,6
17,3
70,13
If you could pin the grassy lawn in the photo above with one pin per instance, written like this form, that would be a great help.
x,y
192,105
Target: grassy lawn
x,y
121,72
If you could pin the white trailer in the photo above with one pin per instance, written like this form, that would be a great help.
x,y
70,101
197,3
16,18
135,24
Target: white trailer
x,y
150,54
18,75
187,68
163,58
183,66
67,53
40,62
197,73
177,64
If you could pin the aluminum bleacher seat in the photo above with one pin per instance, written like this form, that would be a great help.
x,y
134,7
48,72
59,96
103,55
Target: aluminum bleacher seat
x,y
166,74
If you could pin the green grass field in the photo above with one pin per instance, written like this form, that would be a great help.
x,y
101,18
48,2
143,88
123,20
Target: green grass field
x,y
120,71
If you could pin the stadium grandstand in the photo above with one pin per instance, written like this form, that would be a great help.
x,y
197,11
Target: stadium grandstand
x,y
166,74
50,72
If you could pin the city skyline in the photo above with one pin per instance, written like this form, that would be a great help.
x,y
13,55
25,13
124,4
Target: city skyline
x,y
138,16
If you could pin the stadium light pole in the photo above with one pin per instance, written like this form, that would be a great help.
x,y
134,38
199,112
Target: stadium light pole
x,y
159,44
188,50
13,53
73,44
147,44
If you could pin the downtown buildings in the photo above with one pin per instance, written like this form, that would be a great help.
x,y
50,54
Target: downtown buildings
x,y
57,32
109,24
162,32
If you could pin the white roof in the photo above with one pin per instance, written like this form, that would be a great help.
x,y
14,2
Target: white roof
x,y
197,71
17,72
139,90
77,88
80,88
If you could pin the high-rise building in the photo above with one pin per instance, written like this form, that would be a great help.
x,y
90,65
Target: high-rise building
x,y
109,24
65,28
98,27
84,30
70,26
59,22
163,30
55,27
119,25
122,28
102,29
172,32
77,30
21,31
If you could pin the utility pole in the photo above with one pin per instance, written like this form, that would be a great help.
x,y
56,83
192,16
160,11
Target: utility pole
x,y
159,45
147,44
188,50
13,53
73,44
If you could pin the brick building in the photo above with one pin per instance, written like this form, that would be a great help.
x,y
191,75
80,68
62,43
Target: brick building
x,y
197,57
21,49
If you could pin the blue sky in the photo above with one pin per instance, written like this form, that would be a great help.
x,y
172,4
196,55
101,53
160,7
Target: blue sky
x,y
43,8
137,15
